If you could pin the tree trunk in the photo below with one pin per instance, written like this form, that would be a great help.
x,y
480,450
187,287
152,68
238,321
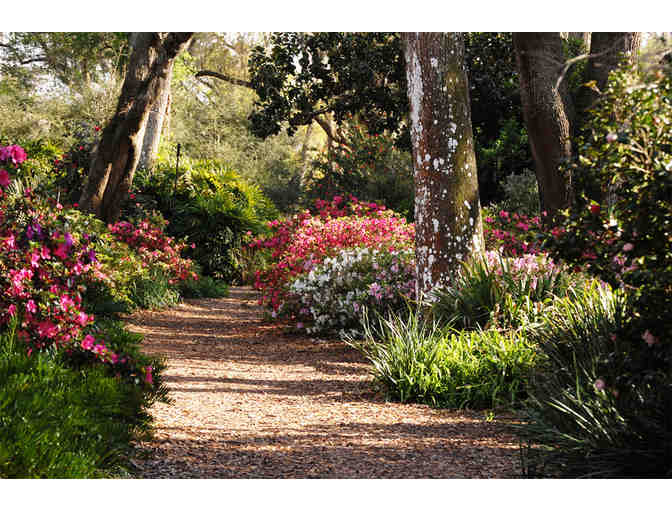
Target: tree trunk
x,y
548,113
607,51
154,126
114,164
447,207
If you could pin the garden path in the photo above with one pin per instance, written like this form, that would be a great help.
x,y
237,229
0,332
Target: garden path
x,y
251,401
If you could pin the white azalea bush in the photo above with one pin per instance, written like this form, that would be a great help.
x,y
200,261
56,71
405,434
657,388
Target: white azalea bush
x,y
333,295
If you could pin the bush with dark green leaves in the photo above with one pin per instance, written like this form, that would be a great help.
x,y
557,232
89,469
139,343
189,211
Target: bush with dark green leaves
x,y
579,420
620,228
369,167
65,417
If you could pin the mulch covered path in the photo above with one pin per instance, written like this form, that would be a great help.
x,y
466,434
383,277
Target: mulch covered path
x,y
251,401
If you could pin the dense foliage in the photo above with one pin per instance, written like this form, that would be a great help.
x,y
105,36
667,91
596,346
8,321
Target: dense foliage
x,y
298,243
64,276
210,207
626,163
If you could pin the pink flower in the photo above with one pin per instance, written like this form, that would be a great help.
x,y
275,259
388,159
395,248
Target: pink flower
x,y
83,319
30,306
648,337
11,310
4,178
88,342
600,385
46,329
611,137
13,153
628,247
148,375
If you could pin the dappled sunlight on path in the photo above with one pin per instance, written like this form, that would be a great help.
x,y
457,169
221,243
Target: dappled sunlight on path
x,y
253,402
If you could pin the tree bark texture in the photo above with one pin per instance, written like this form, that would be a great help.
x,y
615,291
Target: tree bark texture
x,y
548,113
116,159
447,206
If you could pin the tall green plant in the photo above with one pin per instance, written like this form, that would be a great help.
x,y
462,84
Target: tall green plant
x,y
579,422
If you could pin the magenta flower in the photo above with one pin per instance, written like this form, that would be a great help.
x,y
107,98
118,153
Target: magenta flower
x,y
600,385
628,247
13,153
648,337
148,375
4,178
88,342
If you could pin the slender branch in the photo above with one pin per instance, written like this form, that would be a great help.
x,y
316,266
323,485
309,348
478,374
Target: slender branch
x,y
223,77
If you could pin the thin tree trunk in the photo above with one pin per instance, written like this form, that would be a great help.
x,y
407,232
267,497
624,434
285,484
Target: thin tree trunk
x,y
447,207
548,113
154,126
114,165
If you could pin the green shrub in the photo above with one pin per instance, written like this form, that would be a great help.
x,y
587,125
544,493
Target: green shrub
x,y
421,362
203,287
580,422
213,209
620,227
153,291
58,421
521,193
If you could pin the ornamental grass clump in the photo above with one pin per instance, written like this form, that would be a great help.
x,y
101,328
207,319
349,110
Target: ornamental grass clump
x,y
502,292
335,293
418,361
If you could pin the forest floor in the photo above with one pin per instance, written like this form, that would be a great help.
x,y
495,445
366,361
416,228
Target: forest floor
x,y
252,401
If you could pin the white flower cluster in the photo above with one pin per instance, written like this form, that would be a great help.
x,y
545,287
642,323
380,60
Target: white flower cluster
x,y
333,295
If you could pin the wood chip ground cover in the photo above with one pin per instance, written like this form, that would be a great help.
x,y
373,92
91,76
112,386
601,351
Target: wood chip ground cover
x,y
251,401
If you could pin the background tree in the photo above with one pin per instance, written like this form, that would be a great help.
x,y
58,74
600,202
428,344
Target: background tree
x,y
550,110
447,207
116,158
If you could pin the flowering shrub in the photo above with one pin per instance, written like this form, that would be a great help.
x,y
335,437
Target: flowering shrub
x,y
334,294
297,244
620,228
610,416
44,270
155,249
512,233
503,292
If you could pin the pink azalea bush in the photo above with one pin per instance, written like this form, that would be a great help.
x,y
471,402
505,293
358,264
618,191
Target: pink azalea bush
x,y
299,243
45,269
513,234
155,249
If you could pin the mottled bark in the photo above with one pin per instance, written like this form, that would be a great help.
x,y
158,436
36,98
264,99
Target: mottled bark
x,y
117,156
447,207
548,113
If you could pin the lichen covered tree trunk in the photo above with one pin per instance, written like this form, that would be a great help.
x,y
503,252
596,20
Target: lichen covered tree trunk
x,y
447,206
548,113
111,173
